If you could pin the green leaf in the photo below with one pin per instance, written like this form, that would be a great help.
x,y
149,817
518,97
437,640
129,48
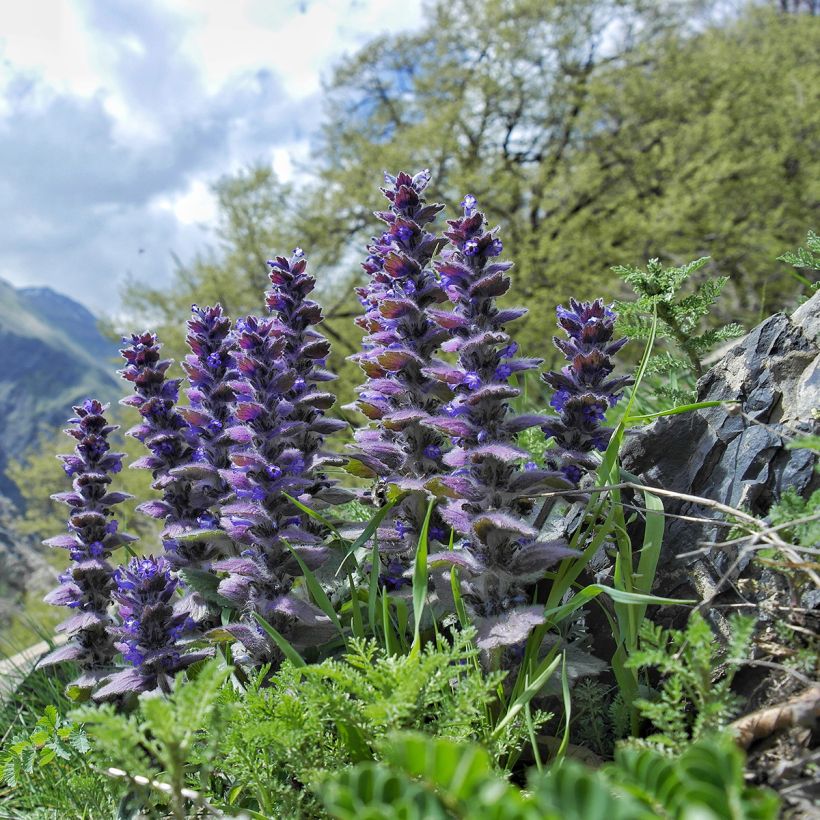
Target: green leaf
x,y
457,769
325,522
584,596
368,531
420,578
316,591
355,609
206,584
530,690
373,792
373,587
685,408
391,641
573,792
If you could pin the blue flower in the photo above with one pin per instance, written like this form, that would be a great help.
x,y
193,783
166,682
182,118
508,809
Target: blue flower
x,y
469,204
432,451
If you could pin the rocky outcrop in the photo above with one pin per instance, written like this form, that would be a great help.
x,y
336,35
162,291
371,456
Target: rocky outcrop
x,y
738,455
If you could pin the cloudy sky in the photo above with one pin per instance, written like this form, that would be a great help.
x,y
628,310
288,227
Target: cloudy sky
x,y
115,115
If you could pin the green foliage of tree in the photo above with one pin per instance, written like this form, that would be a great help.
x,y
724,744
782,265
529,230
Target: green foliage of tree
x,y
258,218
592,132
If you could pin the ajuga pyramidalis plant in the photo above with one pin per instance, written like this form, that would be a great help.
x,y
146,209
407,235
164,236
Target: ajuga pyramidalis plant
x,y
585,388
306,351
210,368
149,629
278,434
400,343
174,452
489,486
86,586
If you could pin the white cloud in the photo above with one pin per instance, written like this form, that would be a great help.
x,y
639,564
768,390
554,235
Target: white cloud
x,y
48,38
196,206
116,116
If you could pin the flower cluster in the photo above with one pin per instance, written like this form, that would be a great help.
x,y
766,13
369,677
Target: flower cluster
x,y
92,536
306,351
401,338
489,488
278,435
209,368
188,486
584,389
400,343
244,481
149,629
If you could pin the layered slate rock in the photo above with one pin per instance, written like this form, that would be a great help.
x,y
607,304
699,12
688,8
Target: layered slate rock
x,y
737,458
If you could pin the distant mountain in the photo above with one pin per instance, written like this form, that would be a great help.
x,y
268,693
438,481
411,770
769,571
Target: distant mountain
x,y
53,355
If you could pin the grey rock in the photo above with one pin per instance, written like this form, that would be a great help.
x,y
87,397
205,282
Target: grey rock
x,y
739,459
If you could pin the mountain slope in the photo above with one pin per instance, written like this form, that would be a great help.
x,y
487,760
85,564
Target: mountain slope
x,y
52,356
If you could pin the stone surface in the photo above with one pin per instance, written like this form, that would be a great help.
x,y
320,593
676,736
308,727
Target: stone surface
x,y
739,459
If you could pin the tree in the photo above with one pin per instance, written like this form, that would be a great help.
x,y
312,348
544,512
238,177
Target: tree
x,y
596,133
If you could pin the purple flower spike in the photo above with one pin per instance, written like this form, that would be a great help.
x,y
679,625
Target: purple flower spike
x,y
92,536
584,389
209,367
162,429
182,450
401,340
277,452
253,586
149,630
401,337
489,490
305,351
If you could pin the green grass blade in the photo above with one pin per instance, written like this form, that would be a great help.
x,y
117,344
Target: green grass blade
x,y
356,610
373,587
420,579
536,752
461,610
674,411
391,642
369,530
651,549
315,516
529,692
402,618
562,749
557,614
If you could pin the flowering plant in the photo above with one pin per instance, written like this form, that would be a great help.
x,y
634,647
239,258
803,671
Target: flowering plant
x,y
246,494
86,587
